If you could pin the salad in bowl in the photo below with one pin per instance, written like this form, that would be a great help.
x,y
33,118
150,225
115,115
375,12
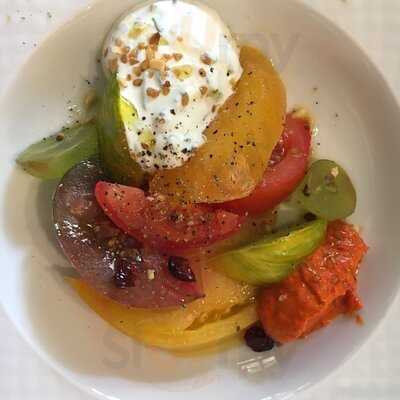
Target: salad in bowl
x,y
190,202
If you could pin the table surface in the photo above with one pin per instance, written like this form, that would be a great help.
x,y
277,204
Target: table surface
x,y
374,372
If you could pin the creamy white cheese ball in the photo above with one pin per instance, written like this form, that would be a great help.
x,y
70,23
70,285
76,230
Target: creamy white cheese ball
x,y
176,63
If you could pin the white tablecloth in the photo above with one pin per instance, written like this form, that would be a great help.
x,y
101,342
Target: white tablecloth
x,y
374,373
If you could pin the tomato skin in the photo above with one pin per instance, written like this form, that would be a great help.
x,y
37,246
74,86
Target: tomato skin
x,y
162,225
287,167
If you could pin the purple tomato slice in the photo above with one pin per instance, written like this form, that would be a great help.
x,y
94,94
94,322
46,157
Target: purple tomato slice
x,y
110,261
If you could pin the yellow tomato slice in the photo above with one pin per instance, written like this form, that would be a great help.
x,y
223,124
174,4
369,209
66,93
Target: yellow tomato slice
x,y
227,309
239,141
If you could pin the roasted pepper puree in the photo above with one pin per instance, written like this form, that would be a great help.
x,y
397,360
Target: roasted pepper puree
x,y
323,287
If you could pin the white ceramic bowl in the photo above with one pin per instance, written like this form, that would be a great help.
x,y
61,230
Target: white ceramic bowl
x,y
358,121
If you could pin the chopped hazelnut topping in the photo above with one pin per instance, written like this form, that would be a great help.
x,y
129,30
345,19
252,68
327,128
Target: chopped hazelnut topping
x,y
163,74
282,297
165,90
133,53
150,54
166,57
206,59
137,82
144,65
129,77
158,65
126,50
180,39
124,58
154,47
142,46
177,56
152,92
202,72
113,65
155,39
151,274
185,99
137,71
203,90
133,61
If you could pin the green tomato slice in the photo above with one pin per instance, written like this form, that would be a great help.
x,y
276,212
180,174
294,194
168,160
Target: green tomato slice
x,y
274,257
52,157
327,191
116,115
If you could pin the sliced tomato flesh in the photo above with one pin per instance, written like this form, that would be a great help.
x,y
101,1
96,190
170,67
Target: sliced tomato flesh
x,y
160,224
286,169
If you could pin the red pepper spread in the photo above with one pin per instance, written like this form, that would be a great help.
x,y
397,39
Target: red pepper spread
x,y
323,287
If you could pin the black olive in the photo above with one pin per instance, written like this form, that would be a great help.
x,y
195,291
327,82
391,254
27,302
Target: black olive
x,y
258,340
180,269
123,276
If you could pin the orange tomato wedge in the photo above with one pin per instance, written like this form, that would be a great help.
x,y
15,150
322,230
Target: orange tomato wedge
x,y
239,141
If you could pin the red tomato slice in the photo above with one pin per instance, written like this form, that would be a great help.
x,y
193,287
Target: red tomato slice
x,y
158,223
286,169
